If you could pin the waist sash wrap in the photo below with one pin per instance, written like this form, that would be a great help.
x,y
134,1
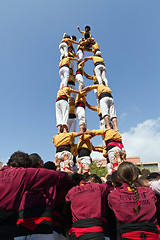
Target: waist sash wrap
x,y
91,226
79,72
139,230
114,143
63,97
62,148
104,94
99,63
80,104
72,115
71,83
83,152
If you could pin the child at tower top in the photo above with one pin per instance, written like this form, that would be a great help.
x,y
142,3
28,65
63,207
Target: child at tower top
x,y
86,33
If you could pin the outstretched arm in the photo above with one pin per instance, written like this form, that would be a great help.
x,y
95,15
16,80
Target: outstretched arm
x,y
87,58
88,76
72,41
94,108
75,91
98,149
73,59
79,29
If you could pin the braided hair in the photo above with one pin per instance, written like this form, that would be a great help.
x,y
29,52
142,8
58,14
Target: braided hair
x,y
128,173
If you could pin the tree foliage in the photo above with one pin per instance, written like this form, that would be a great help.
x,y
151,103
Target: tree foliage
x,y
100,171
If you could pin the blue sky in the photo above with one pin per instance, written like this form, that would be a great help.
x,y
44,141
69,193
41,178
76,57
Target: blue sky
x,y
128,33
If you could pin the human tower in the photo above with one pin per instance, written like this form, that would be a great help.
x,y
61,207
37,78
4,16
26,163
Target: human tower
x,y
70,108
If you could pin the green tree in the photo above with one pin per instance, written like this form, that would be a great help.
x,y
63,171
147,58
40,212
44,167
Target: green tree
x,y
100,171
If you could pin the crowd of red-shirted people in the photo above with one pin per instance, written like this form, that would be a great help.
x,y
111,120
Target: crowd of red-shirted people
x,y
38,202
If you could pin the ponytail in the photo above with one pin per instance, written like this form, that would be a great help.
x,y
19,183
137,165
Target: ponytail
x,y
128,173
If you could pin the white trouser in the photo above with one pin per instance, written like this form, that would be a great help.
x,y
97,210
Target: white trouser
x,y
62,112
86,162
112,151
79,80
98,53
102,125
81,115
36,237
64,75
109,167
60,156
107,107
63,48
80,54
72,124
100,71
73,87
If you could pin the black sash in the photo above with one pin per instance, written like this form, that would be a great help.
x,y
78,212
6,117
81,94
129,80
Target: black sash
x,y
104,94
83,152
63,148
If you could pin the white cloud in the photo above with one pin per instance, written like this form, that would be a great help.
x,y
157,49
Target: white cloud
x,y
144,141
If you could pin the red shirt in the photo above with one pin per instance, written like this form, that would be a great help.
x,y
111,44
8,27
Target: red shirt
x,y
15,181
122,202
86,200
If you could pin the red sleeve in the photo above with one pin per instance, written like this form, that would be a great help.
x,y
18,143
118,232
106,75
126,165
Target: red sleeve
x,y
43,178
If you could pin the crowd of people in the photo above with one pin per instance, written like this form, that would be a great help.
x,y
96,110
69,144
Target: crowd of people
x,y
39,202
63,199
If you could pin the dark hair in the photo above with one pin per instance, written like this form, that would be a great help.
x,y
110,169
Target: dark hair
x,y
74,38
153,175
76,178
85,176
67,36
145,173
93,178
115,180
88,27
128,173
35,159
50,165
19,159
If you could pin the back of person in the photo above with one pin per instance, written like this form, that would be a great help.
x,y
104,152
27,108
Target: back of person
x,y
134,207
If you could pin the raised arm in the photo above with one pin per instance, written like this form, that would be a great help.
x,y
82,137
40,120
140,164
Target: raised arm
x,y
79,29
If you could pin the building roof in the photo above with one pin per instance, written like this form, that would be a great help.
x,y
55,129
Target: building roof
x,y
133,159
